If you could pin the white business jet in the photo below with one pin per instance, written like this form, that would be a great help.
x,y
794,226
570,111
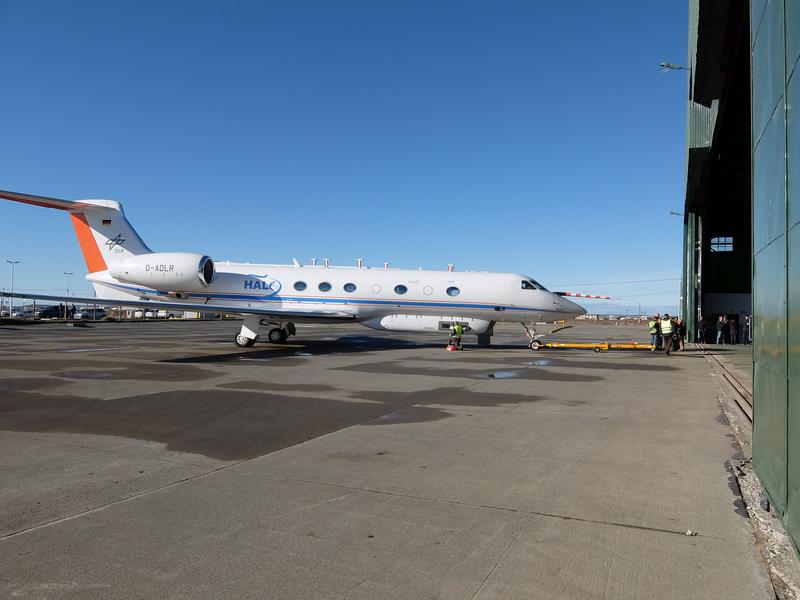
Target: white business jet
x,y
125,272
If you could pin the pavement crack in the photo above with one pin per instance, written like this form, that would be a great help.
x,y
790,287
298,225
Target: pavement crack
x,y
102,507
500,558
520,511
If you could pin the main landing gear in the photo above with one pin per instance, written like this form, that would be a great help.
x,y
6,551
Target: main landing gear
x,y
277,335
243,341
248,335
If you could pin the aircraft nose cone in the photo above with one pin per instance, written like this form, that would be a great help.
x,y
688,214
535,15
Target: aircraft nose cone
x,y
572,307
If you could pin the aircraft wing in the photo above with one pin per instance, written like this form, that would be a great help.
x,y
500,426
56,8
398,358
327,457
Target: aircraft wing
x,y
333,315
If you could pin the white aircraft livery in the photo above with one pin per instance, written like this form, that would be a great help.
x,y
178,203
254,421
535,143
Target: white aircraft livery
x,y
125,272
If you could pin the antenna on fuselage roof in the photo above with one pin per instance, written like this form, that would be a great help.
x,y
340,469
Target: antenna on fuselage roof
x,y
314,262
296,263
386,265
451,267
359,263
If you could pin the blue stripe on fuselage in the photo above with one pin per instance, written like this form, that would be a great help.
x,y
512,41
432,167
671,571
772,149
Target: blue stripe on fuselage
x,y
304,300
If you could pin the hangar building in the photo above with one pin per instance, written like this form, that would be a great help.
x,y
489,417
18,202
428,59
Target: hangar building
x,y
742,212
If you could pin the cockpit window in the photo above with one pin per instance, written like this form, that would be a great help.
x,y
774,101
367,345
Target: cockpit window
x,y
531,284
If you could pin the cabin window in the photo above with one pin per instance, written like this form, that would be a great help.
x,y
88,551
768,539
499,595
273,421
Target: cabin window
x,y
400,289
538,285
532,284
350,287
300,285
324,287
453,291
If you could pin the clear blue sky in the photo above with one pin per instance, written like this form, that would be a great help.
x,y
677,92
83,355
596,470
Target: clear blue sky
x,y
537,137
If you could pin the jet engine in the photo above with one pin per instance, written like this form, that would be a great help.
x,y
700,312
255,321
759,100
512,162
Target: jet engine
x,y
174,271
414,323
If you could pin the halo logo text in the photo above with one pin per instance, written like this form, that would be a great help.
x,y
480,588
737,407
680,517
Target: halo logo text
x,y
263,283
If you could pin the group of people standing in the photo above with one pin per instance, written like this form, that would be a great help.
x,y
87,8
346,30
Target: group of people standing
x,y
727,331
667,333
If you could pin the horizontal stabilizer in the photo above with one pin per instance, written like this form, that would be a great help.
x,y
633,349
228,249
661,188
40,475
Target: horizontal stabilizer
x,y
44,201
185,306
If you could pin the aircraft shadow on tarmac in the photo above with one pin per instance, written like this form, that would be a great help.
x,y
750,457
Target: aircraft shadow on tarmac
x,y
343,345
393,368
233,424
366,344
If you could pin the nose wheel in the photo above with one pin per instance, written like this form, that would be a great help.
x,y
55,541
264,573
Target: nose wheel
x,y
535,343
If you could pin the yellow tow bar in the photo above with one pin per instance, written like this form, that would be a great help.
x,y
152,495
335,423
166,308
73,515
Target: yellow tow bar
x,y
596,346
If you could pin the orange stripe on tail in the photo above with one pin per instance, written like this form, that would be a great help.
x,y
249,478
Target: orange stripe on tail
x,y
91,253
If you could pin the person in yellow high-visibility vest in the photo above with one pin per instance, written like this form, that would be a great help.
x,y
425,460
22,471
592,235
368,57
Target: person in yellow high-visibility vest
x,y
652,328
456,331
667,328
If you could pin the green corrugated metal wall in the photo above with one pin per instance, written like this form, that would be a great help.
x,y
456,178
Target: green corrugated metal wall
x,y
775,43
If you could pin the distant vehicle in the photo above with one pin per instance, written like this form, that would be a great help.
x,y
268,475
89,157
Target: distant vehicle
x,y
3,314
26,313
149,314
91,312
169,314
51,312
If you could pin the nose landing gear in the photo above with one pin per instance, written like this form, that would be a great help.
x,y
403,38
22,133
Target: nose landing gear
x,y
535,342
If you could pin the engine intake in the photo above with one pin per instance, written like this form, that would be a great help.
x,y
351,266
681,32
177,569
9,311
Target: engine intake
x,y
171,271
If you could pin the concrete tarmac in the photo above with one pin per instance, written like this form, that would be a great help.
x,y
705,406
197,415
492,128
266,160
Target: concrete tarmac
x,y
157,460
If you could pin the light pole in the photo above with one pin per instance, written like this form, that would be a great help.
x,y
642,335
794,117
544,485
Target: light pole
x,y
689,298
665,66
67,294
13,263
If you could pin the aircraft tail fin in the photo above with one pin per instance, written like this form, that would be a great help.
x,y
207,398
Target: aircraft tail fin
x,y
104,234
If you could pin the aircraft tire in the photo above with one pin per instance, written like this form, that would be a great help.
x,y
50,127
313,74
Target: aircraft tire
x,y
277,336
535,345
243,341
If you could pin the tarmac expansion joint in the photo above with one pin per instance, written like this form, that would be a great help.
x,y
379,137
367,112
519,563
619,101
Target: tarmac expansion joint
x,y
507,509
